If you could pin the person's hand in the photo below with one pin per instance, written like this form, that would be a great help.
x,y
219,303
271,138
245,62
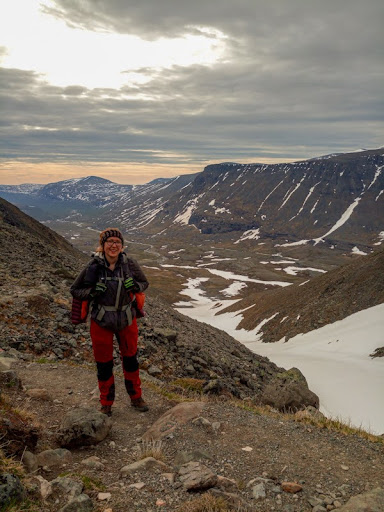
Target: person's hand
x,y
99,289
131,285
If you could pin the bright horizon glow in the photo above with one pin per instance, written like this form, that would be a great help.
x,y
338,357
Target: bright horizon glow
x,y
130,173
77,53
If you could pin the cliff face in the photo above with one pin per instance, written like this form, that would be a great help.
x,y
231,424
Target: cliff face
x,y
293,202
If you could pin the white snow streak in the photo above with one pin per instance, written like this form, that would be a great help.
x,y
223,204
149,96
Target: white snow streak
x,y
377,174
335,361
305,200
233,289
292,244
294,270
183,218
294,190
343,219
272,191
314,206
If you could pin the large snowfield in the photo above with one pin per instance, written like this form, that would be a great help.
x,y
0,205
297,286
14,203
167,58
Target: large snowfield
x,y
335,359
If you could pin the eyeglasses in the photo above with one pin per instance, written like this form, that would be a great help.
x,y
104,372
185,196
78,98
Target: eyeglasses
x,y
113,242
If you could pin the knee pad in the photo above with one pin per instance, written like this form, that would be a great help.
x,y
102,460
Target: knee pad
x,y
104,370
130,363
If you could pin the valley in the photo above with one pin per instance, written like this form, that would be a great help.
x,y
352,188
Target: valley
x,y
266,253
218,284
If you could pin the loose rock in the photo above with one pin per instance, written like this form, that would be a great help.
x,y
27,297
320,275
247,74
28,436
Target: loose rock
x,y
195,476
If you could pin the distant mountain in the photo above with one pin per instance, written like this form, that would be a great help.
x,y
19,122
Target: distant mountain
x,y
87,197
336,199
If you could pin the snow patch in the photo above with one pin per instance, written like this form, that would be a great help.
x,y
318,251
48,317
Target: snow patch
x,y
356,250
251,234
293,271
233,289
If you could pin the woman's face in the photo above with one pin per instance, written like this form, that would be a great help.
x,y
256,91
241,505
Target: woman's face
x,y
112,248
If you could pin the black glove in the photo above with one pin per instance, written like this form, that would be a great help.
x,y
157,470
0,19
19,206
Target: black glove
x,y
98,290
131,285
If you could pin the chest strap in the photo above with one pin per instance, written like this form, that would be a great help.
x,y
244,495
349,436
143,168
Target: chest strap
x,y
103,309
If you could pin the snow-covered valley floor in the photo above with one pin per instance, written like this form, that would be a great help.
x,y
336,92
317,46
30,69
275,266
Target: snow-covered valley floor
x,y
335,359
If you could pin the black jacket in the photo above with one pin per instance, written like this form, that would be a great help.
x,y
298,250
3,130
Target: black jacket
x,y
117,302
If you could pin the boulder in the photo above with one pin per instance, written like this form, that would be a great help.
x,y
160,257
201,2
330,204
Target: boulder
x,y
10,379
39,394
56,457
178,415
291,487
44,486
83,427
372,501
81,503
258,491
288,392
63,487
168,334
6,363
11,490
93,462
30,462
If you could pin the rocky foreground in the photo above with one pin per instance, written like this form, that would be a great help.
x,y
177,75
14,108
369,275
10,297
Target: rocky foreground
x,y
188,453
215,425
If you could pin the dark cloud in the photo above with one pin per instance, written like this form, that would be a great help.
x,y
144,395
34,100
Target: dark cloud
x,y
299,78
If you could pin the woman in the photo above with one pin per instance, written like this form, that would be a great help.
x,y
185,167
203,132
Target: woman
x,y
110,281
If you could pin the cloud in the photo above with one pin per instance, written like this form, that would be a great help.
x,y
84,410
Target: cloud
x,y
297,79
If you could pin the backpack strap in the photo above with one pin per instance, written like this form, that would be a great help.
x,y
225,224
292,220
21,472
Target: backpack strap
x,y
126,308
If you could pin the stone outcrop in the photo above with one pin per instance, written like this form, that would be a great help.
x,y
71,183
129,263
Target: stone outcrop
x,y
288,391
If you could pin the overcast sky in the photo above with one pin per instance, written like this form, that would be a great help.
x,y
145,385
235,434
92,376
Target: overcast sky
x,y
133,90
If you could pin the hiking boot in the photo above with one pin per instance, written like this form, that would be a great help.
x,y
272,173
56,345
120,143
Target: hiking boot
x,y
139,405
106,409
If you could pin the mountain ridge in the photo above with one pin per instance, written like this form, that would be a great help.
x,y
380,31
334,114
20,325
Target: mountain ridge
x,y
333,201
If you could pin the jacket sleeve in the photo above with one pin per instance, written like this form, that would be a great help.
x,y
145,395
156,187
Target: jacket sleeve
x,y
137,274
84,283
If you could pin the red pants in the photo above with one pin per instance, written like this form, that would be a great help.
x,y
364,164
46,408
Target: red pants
x,y
102,343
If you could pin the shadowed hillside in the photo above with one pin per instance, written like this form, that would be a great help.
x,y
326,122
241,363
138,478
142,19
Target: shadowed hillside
x,y
323,300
